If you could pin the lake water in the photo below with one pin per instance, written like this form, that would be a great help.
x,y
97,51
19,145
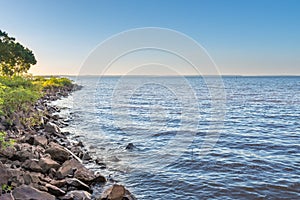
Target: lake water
x,y
255,154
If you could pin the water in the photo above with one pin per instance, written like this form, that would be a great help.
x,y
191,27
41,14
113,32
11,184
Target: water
x,y
256,156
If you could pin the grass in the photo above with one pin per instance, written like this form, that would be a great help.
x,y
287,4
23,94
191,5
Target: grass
x,y
20,93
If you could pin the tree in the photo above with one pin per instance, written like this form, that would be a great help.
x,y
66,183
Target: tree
x,y
15,59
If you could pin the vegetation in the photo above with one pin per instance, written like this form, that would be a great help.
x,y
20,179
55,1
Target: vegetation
x,y
18,90
6,188
19,93
4,143
15,59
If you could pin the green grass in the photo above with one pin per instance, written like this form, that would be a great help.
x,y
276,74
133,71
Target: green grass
x,y
19,93
4,143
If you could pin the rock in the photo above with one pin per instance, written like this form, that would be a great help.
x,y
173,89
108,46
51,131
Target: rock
x,y
31,178
57,152
7,196
36,140
8,152
74,167
52,173
77,195
100,163
77,151
48,163
117,192
68,168
88,176
17,177
54,190
25,192
32,165
77,184
24,152
87,156
5,174
40,140
52,128
58,183
130,146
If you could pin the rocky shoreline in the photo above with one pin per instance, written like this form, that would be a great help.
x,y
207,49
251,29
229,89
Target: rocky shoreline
x,y
44,164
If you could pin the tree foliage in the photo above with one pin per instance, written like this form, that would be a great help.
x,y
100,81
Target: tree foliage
x,y
15,59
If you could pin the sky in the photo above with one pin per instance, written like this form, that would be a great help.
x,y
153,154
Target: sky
x,y
254,37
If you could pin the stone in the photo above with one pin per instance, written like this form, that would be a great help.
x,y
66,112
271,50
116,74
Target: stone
x,y
25,192
68,168
40,140
87,156
31,178
17,177
52,128
32,165
88,176
48,163
54,190
77,184
7,196
57,152
52,173
130,146
77,151
5,174
24,152
74,167
58,183
8,152
117,192
77,195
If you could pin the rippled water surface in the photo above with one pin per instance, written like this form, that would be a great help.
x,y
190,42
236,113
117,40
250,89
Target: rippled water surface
x,y
257,154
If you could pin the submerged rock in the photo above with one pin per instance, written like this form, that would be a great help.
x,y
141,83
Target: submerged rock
x,y
130,146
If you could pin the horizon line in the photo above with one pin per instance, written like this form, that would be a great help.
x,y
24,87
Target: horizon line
x,y
147,75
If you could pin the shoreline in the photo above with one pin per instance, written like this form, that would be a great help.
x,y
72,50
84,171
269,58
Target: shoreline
x,y
44,164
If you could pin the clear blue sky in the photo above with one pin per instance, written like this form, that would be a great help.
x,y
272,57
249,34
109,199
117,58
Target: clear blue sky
x,y
243,37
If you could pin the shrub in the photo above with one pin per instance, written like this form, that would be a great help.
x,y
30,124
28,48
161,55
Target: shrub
x,y
56,82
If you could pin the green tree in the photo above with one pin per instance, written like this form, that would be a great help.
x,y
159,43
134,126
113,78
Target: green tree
x,y
15,59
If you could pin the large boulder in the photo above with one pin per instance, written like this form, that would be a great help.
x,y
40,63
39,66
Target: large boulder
x,y
75,168
117,192
57,152
48,163
25,192
68,168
